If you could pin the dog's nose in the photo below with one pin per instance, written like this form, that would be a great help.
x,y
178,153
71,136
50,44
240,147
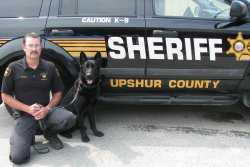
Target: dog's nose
x,y
88,73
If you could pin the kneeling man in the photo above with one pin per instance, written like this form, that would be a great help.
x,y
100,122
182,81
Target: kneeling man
x,y
26,87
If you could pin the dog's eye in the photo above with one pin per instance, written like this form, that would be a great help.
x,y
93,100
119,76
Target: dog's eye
x,y
87,65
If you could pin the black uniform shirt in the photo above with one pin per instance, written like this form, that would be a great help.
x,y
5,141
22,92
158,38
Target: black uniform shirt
x,y
31,86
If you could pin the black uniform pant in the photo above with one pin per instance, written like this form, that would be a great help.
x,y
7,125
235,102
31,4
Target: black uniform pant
x,y
26,127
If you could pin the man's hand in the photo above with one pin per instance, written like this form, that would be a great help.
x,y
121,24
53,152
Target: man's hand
x,y
33,109
41,113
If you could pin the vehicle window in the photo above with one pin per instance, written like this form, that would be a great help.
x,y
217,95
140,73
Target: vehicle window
x,y
97,8
20,8
193,8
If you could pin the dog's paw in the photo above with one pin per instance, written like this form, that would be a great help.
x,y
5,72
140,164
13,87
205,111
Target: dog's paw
x,y
98,133
85,138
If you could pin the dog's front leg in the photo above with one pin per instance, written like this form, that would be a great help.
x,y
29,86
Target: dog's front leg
x,y
92,122
83,129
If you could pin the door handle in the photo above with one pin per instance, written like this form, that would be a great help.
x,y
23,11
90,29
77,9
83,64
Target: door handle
x,y
165,33
61,32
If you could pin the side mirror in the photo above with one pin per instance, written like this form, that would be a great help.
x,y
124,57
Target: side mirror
x,y
238,10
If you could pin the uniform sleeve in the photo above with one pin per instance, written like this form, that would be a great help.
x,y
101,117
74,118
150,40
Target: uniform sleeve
x,y
8,80
57,84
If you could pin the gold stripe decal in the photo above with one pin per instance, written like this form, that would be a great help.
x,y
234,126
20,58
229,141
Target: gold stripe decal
x,y
74,45
90,46
81,42
3,41
85,49
77,39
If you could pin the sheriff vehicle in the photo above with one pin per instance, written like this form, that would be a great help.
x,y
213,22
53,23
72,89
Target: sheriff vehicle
x,y
182,52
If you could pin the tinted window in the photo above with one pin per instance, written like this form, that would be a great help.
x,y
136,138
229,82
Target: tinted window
x,y
98,8
192,8
20,8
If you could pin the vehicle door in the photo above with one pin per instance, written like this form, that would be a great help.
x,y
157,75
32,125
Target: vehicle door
x,y
186,50
108,27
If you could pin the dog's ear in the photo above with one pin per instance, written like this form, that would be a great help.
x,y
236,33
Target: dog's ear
x,y
98,57
102,61
83,57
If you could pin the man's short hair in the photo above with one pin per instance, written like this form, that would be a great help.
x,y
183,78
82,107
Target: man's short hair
x,y
32,35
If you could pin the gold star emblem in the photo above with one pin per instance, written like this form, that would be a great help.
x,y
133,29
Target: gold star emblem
x,y
43,76
240,47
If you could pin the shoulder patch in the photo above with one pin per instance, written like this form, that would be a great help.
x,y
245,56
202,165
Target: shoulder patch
x,y
7,72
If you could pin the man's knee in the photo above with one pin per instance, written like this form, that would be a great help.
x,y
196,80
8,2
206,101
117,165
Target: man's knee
x,y
62,119
19,152
71,121
20,147
19,158
68,121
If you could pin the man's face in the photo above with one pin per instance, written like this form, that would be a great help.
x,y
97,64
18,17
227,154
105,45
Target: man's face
x,y
32,47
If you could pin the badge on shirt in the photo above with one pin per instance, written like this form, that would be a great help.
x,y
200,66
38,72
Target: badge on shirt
x,y
7,72
44,76
23,76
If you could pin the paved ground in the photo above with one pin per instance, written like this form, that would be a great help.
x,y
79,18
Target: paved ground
x,y
151,136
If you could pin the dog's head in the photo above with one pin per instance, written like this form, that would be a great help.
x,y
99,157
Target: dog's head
x,y
90,69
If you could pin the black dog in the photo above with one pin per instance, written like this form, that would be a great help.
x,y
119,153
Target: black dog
x,y
85,90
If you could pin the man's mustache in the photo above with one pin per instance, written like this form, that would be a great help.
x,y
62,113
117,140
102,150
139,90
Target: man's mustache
x,y
34,52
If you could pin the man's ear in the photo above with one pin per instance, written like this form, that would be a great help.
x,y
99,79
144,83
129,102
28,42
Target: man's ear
x,y
83,57
42,51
